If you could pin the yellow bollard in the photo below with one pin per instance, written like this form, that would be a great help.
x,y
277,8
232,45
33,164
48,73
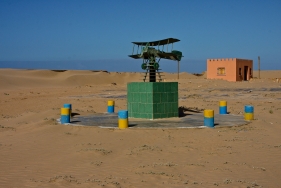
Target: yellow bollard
x,y
65,115
209,118
110,106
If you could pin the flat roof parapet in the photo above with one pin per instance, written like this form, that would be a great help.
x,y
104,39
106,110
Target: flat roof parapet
x,y
228,59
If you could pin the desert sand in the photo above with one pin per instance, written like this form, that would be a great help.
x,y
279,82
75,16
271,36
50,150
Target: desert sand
x,y
36,151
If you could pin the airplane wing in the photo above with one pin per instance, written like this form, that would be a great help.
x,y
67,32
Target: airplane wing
x,y
135,56
163,55
158,42
170,56
174,55
139,56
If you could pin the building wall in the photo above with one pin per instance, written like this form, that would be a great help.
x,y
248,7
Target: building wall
x,y
228,64
244,65
230,69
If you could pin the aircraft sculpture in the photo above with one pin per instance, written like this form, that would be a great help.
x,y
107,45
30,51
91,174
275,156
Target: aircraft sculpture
x,y
152,56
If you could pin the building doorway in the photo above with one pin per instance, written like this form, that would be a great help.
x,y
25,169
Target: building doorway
x,y
246,73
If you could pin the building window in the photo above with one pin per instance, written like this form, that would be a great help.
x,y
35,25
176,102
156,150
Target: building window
x,y
221,71
250,72
240,72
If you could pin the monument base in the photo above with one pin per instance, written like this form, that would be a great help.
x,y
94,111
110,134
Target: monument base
x,y
152,100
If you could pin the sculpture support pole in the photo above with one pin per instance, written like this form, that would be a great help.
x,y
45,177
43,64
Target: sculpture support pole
x,y
152,72
259,67
178,70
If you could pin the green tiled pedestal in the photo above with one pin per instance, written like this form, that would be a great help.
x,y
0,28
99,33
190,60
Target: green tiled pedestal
x,y
152,100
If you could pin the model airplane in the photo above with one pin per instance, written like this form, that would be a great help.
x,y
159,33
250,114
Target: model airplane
x,y
152,56
147,50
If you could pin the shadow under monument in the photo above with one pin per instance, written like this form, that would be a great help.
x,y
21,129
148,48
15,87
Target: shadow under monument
x,y
184,111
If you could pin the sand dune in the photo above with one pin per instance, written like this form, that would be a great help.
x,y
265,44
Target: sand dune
x,y
268,74
36,151
46,78
12,78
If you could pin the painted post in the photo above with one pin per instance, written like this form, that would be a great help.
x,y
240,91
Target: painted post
x,y
65,115
223,107
249,113
70,108
110,106
123,119
209,118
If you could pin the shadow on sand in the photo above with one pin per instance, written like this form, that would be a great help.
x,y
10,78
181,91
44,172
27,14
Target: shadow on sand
x,y
184,111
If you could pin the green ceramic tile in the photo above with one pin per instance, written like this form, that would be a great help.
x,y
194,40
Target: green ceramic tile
x,y
165,109
168,107
175,106
143,97
156,97
154,107
149,116
142,87
163,97
129,97
176,97
149,108
136,115
154,87
130,87
163,115
168,87
136,97
156,116
171,109
149,97
170,97
174,86
159,86
135,107
141,108
170,114
136,87
149,87
129,107
161,108
143,115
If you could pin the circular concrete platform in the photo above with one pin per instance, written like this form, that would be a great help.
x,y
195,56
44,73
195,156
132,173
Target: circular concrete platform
x,y
189,121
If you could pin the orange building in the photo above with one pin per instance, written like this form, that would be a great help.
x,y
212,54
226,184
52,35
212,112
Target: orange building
x,y
231,69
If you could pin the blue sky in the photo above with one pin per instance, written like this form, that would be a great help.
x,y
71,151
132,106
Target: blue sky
x,y
93,34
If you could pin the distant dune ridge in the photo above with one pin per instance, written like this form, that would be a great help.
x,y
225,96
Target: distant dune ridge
x,y
24,78
41,78
268,74
37,151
